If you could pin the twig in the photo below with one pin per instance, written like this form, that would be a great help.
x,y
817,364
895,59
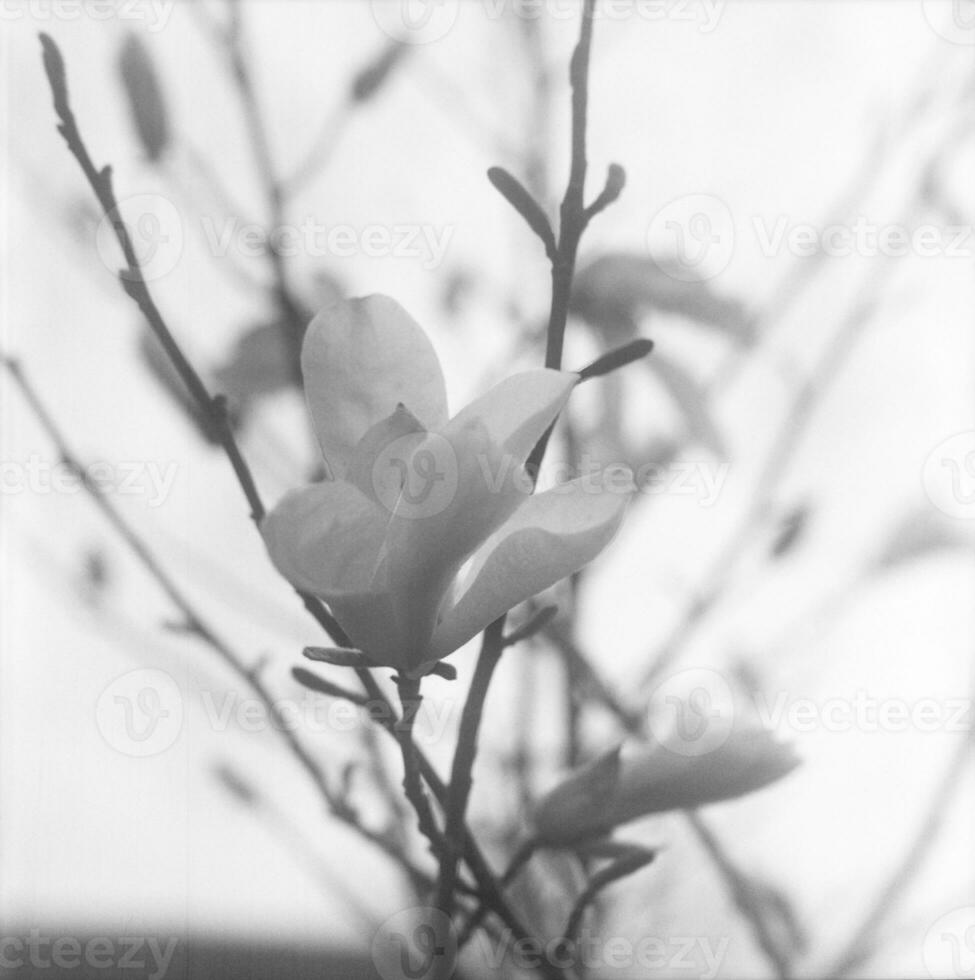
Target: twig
x,y
521,857
860,946
133,281
411,700
461,775
597,883
294,320
743,894
192,620
214,410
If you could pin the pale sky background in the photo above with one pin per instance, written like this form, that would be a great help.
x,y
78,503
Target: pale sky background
x,y
771,110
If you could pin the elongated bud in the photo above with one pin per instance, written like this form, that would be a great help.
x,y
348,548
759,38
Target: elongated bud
x,y
371,79
144,95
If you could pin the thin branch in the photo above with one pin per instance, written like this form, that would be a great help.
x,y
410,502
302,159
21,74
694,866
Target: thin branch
x,y
743,894
859,947
133,281
601,880
411,700
214,410
461,775
192,621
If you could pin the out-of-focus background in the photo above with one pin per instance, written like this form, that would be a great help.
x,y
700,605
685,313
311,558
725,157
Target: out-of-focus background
x,y
795,235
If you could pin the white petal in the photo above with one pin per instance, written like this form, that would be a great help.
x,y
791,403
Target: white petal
x,y
460,487
550,536
378,462
361,358
658,778
325,538
517,411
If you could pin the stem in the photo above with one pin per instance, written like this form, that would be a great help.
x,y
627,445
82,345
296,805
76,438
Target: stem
x,y
294,319
411,700
193,620
743,894
573,215
461,776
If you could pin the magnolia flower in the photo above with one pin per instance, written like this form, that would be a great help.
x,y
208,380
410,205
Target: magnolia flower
x,y
616,788
427,529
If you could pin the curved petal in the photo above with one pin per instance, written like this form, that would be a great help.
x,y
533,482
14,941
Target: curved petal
x,y
360,359
658,779
325,538
550,536
376,463
459,488
517,411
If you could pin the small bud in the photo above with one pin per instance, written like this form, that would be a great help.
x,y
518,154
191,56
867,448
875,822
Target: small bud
x,y
144,94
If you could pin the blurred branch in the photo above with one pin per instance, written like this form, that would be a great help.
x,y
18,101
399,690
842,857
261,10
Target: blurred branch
x,y
744,894
367,82
215,410
784,447
620,868
461,774
133,281
859,948
192,621
294,318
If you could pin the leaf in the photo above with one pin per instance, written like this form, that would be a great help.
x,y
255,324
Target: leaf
x,y
373,76
792,529
261,363
919,534
144,94
635,350
515,193
613,292
337,657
